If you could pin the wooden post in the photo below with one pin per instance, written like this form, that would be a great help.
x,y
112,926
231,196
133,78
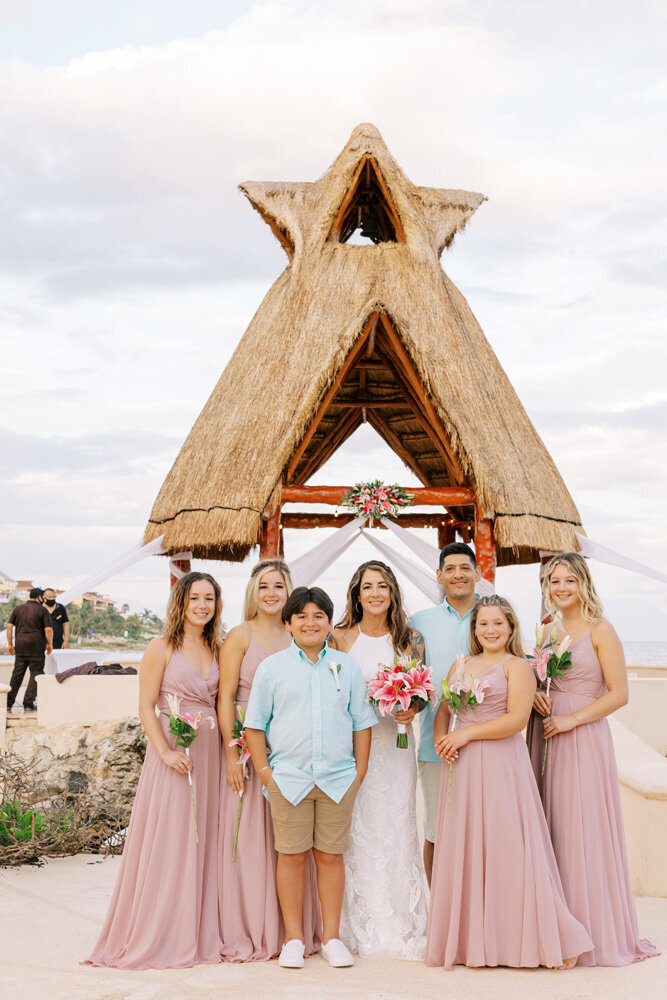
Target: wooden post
x,y
270,542
485,546
184,565
446,534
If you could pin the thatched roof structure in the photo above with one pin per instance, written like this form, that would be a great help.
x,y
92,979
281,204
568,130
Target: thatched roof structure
x,y
425,377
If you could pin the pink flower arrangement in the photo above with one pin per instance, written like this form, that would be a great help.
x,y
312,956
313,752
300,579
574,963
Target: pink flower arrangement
x,y
399,686
458,695
184,727
548,662
244,756
376,500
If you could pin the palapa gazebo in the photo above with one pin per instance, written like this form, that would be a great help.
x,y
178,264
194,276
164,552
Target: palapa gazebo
x,y
351,334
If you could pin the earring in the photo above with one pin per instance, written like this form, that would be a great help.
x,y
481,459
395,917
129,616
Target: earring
x,y
358,608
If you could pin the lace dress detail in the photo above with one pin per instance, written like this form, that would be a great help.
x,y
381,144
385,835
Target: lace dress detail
x,y
384,909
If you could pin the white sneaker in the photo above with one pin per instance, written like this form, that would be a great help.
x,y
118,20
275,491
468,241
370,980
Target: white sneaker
x,y
291,955
337,954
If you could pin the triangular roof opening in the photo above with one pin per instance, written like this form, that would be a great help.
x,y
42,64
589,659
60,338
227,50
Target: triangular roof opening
x,y
367,213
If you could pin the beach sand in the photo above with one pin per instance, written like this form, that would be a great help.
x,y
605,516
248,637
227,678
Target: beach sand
x,y
50,917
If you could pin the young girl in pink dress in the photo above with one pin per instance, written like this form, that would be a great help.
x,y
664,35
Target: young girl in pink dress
x,y
251,927
164,908
580,782
496,895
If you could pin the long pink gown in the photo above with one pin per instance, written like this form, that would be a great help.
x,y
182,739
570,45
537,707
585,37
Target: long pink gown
x,y
496,895
582,803
164,908
251,926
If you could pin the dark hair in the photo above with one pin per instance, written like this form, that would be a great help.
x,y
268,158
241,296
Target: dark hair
x,y
301,596
35,593
397,620
457,549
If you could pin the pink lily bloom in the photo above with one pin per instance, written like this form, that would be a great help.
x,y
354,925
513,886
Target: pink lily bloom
x,y
540,660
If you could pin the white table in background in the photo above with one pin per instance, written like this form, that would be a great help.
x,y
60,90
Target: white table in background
x,y
63,659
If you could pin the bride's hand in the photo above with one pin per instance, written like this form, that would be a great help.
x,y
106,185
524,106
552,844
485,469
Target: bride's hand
x,y
405,718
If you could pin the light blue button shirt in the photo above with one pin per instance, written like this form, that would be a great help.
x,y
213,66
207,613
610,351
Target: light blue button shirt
x,y
446,634
308,722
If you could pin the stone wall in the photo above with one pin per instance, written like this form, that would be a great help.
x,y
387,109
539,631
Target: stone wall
x,y
99,760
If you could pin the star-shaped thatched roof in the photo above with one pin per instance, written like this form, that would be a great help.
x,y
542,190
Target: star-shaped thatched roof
x,y
298,383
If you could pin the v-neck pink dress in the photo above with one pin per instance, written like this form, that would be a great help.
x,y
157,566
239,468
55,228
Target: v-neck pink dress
x,y
496,895
582,802
164,908
251,926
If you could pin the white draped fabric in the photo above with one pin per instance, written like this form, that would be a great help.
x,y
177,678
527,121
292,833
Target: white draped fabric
x,y
173,560
129,558
600,552
309,567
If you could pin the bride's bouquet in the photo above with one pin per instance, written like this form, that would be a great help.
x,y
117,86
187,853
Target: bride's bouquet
x,y
458,695
406,682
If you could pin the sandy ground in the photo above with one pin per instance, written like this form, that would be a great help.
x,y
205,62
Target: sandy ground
x,y
50,918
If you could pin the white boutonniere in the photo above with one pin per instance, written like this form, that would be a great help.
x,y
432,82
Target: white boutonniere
x,y
335,670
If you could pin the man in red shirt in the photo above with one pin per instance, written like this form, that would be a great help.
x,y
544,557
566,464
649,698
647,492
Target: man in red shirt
x,y
34,638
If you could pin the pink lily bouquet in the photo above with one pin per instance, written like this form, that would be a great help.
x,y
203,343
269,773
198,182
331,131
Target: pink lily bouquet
x,y
458,695
399,686
239,741
184,728
548,663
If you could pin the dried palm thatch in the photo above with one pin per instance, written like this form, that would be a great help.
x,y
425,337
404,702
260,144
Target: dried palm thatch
x,y
291,394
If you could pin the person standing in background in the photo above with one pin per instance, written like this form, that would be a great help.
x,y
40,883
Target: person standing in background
x,y
33,640
59,619
446,632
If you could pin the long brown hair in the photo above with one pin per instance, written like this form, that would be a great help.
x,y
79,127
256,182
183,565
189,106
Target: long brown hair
x,y
397,619
591,605
178,602
514,644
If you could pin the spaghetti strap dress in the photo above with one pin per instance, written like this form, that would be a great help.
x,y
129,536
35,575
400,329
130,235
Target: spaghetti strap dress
x,y
582,803
164,908
251,926
496,895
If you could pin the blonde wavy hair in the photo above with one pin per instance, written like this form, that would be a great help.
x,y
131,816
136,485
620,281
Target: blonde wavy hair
x,y
591,605
397,619
251,603
514,644
178,602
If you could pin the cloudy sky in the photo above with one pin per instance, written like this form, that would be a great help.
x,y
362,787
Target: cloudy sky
x,y
130,265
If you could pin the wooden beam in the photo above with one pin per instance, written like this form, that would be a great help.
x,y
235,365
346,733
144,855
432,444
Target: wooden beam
x,y
372,402
346,367
335,231
330,444
485,546
270,541
306,520
446,534
396,444
430,496
406,365
398,227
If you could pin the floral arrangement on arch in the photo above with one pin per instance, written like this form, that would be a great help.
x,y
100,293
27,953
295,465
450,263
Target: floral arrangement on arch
x,y
376,500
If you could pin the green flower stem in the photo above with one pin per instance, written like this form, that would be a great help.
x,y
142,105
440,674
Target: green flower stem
x,y
238,823
192,796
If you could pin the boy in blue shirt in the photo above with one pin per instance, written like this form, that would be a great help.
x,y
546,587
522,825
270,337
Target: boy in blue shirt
x,y
309,703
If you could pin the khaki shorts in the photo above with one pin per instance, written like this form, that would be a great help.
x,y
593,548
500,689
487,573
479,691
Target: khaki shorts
x,y
317,821
429,777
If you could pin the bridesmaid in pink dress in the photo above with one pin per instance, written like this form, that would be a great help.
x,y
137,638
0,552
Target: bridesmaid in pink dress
x,y
164,908
251,927
580,783
496,895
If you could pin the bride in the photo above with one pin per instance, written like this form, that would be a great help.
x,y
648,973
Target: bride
x,y
384,909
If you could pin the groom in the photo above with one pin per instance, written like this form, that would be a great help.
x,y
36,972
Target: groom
x,y
309,703
446,631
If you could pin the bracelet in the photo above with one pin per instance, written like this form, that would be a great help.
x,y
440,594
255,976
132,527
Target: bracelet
x,y
266,767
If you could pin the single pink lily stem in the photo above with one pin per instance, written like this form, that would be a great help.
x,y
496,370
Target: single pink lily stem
x,y
192,796
546,741
238,823
451,767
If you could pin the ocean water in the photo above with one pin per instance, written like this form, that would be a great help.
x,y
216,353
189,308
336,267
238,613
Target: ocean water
x,y
646,654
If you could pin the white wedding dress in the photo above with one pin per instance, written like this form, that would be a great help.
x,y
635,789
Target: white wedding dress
x,y
384,908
